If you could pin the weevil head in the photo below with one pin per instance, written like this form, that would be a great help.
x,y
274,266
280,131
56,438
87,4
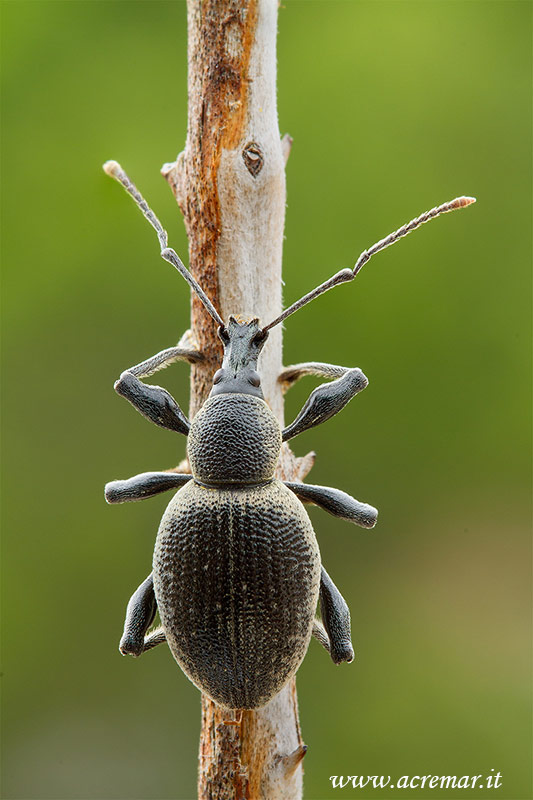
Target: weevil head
x,y
243,340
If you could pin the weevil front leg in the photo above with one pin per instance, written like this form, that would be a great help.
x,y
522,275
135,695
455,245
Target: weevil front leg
x,y
154,402
336,502
140,614
327,399
147,484
334,634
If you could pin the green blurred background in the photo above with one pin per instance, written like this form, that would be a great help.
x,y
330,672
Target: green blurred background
x,y
394,107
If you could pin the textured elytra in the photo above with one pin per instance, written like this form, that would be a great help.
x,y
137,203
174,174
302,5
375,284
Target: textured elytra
x,y
234,438
236,577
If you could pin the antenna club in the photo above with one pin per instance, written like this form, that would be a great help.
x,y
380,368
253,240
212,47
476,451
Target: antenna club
x,y
112,168
461,202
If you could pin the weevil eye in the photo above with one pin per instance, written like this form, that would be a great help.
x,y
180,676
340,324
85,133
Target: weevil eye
x,y
223,334
217,377
254,379
260,337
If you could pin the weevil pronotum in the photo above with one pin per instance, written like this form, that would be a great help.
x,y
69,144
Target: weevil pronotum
x,y
236,573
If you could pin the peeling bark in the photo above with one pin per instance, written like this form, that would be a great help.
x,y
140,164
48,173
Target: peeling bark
x,y
230,185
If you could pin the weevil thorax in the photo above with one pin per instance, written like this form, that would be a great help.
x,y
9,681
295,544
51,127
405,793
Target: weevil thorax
x,y
235,438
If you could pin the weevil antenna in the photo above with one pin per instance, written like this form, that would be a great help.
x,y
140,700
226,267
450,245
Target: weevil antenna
x,y
366,255
114,169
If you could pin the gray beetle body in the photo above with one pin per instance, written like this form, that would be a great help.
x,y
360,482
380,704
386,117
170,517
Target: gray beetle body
x,y
247,556
244,548
236,571
236,576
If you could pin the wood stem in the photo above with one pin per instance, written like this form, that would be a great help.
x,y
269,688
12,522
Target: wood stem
x,y
230,185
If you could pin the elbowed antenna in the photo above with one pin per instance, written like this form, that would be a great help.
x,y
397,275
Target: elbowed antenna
x,y
114,169
366,255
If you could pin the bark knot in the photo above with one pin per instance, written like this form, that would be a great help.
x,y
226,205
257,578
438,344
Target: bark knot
x,y
253,158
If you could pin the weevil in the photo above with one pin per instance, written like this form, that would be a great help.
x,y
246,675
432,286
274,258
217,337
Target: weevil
x,y
237,574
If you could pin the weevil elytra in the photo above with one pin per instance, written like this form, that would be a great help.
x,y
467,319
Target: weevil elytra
x,y
236,573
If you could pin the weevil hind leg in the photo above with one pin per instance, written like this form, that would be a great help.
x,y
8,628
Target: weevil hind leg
x,y
154,402
334,632
327,399
140,614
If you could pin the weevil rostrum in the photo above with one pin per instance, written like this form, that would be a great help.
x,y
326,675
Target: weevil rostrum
x,y
237,574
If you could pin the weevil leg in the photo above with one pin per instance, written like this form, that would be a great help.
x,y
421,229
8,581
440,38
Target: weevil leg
x,y
144,485
140,614
154,402
327,399
185,350
338,503
334,634
319,632
155,637
289,375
